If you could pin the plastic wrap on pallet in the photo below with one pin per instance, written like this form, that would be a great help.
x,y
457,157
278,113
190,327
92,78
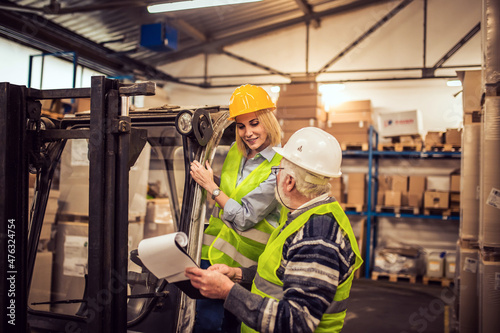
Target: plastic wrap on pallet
x,y
468,293
489,298
489,228
490,27
469,221
399,260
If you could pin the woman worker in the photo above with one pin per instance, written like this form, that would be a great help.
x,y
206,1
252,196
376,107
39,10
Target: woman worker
x,y
246,210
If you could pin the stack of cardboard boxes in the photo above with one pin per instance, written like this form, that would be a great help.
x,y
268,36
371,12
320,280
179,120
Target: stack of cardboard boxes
x,y
451,140
455,191
299,105
356,191
349,124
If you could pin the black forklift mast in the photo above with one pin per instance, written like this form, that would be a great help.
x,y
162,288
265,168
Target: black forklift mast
x,y
20,152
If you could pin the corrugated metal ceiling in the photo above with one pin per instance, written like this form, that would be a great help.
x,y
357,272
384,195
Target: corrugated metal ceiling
x,y
113,27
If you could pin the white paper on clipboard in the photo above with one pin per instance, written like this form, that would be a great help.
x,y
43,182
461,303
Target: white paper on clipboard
x,y
165,257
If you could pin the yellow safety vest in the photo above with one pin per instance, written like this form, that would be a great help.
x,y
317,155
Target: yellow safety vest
x,y
267,284
223,244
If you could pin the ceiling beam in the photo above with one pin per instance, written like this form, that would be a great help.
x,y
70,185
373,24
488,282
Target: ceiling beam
x,y
256,64
188,30
458,45
308,12
37,32
216,45
372,29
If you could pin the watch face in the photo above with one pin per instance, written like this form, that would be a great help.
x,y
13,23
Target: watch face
x,y
215,193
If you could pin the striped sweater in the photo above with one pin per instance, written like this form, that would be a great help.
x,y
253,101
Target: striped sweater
x,y
316,259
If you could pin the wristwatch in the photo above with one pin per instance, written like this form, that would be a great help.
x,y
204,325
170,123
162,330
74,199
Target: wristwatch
x,y
215,193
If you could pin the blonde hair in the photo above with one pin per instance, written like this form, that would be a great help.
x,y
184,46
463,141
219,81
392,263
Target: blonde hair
x,y
307,189
270,123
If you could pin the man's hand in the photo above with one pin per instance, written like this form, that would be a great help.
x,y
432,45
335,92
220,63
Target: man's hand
x,y
234,273
211,283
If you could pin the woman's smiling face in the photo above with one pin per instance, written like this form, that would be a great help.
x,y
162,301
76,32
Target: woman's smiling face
x,y
252,132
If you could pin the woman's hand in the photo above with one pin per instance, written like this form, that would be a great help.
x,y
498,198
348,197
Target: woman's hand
x,y
211,284
204,177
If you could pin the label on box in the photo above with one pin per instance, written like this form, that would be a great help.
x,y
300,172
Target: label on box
x,y
494,198
434,265
451,267
75,256
470,265
497,281
79,153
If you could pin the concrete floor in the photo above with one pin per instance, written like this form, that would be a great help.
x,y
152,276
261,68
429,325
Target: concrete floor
x,y
399,307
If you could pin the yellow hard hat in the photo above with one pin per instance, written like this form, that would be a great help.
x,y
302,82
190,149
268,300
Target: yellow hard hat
x,y
249,98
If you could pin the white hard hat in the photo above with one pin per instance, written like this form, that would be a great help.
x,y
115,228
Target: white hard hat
x,y
314,150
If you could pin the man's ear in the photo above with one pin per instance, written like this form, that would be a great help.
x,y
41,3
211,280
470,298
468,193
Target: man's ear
x,y
289,183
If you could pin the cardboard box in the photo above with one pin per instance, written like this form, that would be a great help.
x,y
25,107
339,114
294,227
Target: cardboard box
x,y
356,188
312,100
380,198
392,198
285,136
83,104
353,106
416,184
453,136
455,183
384,183
400,123
415,199
289,112
338,188
399,183
455,197
433,138
350,117
293,125
305,88
471,89
436,199
348,127
472,117
350,138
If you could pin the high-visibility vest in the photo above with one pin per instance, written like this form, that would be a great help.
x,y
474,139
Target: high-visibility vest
x,y
267,284
222,243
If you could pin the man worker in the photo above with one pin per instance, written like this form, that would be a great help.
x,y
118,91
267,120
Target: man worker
x,y
304,276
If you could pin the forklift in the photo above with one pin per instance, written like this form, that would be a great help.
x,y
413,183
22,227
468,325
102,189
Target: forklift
x,y
79,193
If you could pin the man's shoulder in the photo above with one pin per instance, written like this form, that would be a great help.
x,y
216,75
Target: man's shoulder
x,y
324,225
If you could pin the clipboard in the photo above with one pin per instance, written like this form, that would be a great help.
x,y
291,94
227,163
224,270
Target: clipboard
x,y
165,257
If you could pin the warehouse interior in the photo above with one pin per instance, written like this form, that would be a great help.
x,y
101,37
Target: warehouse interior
x,y
408,87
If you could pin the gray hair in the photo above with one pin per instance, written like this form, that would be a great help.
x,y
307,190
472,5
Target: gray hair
x,y
307,183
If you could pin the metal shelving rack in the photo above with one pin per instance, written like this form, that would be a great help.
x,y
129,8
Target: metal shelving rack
x,y
373,157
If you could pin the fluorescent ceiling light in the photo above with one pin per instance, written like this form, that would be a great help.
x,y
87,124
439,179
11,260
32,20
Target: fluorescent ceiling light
x,y
193,4
454,83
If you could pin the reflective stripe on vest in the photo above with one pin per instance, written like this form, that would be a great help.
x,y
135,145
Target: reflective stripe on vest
x,y
224,244
267,284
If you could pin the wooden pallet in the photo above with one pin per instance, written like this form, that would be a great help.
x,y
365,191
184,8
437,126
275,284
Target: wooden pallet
x,y
393,277
445,147
397,210
445,212
399,146
443,281
347,207
354,146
